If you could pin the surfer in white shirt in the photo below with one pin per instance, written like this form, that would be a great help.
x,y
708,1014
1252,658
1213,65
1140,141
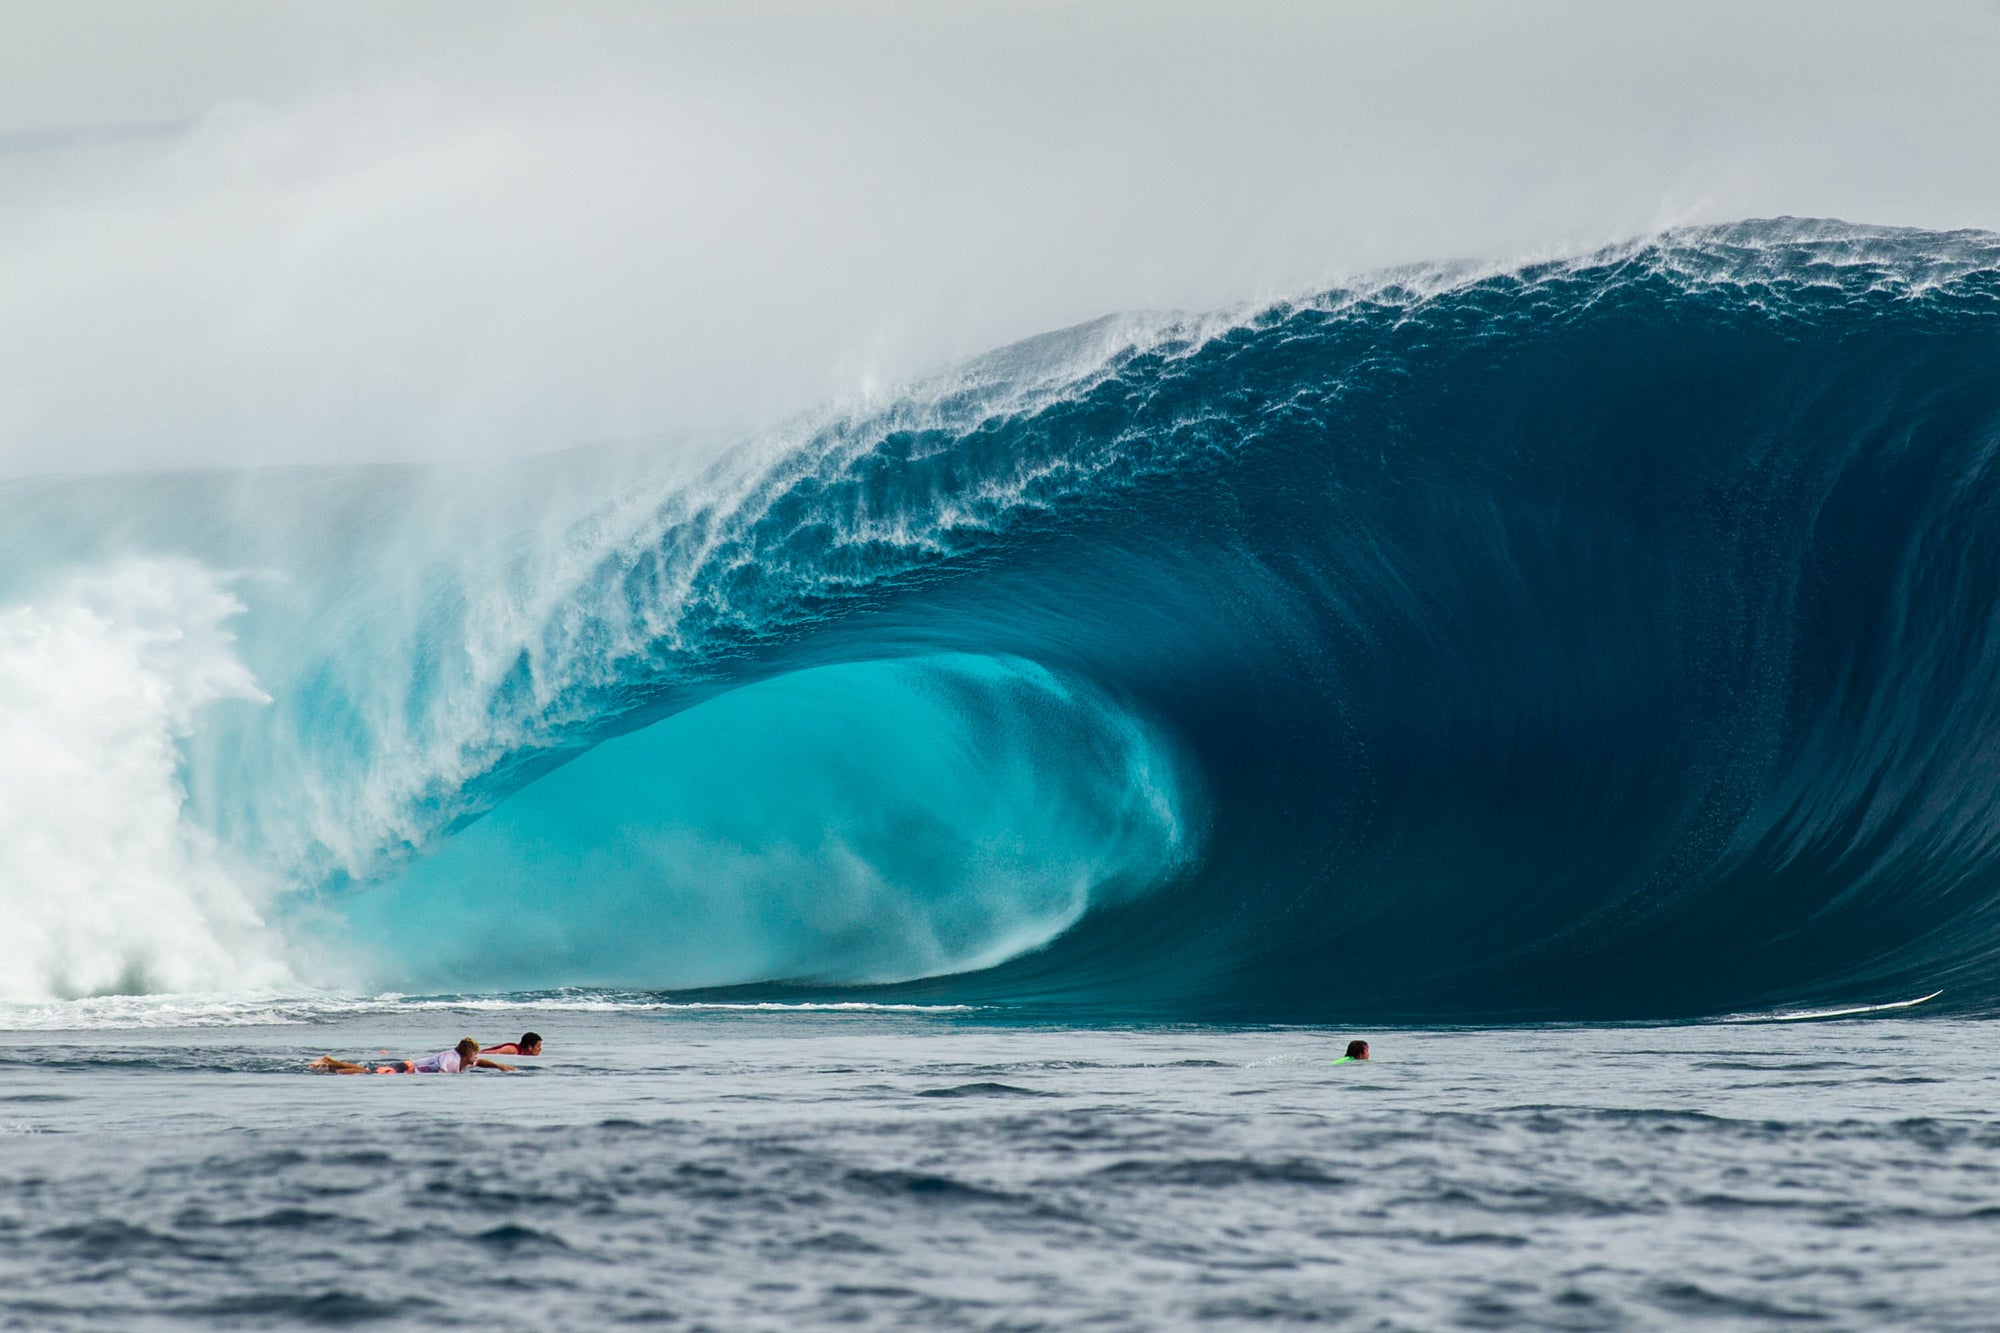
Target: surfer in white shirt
x,y
460,1059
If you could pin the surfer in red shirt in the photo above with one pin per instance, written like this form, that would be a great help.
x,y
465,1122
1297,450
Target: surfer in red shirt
x,y
530,1044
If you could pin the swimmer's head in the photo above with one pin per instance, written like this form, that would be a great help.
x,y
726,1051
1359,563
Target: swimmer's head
x,y
468,1049
1357,1050
531,1043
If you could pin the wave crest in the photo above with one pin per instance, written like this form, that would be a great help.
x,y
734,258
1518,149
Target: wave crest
x,y
1607,635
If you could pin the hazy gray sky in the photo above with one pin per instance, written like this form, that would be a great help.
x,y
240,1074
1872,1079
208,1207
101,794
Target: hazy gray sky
x,y
282,232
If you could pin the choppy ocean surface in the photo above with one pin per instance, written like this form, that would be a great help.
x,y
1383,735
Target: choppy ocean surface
x,y
168,1165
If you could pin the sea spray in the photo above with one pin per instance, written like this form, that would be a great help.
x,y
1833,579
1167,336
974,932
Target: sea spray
x,y
105,885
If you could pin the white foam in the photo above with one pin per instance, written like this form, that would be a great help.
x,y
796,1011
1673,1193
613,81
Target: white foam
x,y
103,883
1849,1011
295,1009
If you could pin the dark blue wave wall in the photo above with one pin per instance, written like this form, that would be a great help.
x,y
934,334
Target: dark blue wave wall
x,y
1595,639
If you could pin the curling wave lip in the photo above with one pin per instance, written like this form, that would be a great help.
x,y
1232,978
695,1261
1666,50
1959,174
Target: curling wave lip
x,y
1602,638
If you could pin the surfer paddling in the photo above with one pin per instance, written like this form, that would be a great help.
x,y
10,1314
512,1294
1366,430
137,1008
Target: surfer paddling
x,y
530,1044
1356,1050
460,1059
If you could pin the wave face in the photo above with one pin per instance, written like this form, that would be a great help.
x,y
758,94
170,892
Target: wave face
x,y
1610,637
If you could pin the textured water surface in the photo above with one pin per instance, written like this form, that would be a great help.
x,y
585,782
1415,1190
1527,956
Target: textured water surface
x,y
786,1169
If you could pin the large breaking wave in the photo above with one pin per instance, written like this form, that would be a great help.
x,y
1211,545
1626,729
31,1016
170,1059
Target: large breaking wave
x,y
1611,636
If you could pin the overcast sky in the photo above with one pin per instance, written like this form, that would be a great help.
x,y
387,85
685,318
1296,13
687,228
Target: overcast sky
x,y
288,232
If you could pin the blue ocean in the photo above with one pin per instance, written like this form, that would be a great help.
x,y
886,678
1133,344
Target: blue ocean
x,y
947,837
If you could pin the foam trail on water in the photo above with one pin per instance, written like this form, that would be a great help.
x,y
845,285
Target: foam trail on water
x,y
104,885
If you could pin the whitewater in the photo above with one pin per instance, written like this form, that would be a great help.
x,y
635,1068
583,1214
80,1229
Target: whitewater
x,y
1609,636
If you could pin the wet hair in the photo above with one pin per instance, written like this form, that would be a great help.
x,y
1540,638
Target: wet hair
x,y
530,1039
467,1049
1357,1050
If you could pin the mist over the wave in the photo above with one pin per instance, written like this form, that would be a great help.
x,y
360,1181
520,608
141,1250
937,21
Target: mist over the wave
x,y
366,232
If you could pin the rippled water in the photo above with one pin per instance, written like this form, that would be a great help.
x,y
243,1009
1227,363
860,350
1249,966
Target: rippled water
x,y
775,1169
